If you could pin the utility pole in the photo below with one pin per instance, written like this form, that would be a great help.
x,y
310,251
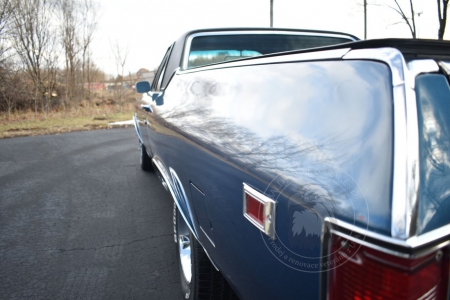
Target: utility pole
x,y
365,19
271,13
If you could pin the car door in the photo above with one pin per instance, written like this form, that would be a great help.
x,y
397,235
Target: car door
x,y
153,99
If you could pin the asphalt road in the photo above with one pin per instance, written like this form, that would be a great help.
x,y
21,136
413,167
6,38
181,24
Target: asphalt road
x,y
80,220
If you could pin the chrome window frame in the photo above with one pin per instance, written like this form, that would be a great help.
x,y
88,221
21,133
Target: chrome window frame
x,y
445,65
187,47
405,183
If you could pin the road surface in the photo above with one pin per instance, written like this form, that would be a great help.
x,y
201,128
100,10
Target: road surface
x,y
80,220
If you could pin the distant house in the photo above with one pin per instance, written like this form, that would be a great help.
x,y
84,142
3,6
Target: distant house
x,y
95,86
126,83
145,75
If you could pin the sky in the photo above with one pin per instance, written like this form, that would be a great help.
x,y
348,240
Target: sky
x,y
143,29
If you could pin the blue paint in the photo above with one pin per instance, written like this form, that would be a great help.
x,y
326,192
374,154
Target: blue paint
x,y
319,144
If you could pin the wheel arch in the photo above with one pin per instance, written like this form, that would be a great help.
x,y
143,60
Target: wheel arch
x,y
136,127
176,189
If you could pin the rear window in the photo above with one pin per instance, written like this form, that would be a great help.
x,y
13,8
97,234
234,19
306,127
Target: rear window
x,y
218,48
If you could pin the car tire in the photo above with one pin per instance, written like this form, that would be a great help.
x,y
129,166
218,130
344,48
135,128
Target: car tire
x,y
145,159
199,279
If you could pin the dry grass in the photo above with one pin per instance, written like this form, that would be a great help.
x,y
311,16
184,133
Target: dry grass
x,y
86,118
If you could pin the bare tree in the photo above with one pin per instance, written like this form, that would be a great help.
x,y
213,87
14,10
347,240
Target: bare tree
x,y
77,26
442,17
6,10
120,57
35,44
410,21
89,24
34,32
8,89
70,42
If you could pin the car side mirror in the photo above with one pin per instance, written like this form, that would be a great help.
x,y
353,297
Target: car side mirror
x,y
158,98
143,87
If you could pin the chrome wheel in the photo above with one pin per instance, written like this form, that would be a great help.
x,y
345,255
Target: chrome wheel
x,y
198,277
185,257
184,240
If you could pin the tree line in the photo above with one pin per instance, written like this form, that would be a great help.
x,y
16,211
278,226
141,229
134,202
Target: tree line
x,y
45,53
46,58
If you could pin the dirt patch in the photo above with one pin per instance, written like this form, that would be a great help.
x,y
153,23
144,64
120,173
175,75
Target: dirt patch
x,y
95,126
84,119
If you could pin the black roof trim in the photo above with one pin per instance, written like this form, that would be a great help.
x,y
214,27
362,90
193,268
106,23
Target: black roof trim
x,y
410,48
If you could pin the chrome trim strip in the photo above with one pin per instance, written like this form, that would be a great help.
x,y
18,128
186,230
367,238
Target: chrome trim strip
x,y
432,240
392,57
431,294
369,245
187,46
420,66
412,163
209,239
389,251
415,68
414,247
269,210
429,237
166,177
406,140
445,66
212,262
136,127
183,196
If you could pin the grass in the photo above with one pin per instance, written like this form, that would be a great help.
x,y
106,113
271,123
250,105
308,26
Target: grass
x,y
29,124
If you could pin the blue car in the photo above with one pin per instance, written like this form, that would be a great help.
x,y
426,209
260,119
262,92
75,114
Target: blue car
x,y
303,165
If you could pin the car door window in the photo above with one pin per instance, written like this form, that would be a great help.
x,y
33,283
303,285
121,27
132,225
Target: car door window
x,y
156,85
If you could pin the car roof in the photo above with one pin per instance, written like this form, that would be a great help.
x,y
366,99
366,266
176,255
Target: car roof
x,y
293,30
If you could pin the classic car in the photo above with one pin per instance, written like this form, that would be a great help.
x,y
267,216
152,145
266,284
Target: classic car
x,y
318,173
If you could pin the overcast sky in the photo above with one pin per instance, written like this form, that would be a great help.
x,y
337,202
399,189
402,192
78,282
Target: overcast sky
x,y
145,28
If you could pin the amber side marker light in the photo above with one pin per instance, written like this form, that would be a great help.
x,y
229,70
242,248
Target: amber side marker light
x,y
364,273
259,210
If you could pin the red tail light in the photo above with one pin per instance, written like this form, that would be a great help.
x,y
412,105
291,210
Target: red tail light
x,y
372,274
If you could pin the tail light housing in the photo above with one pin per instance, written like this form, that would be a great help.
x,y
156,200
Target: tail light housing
x,y
260,210
376,271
